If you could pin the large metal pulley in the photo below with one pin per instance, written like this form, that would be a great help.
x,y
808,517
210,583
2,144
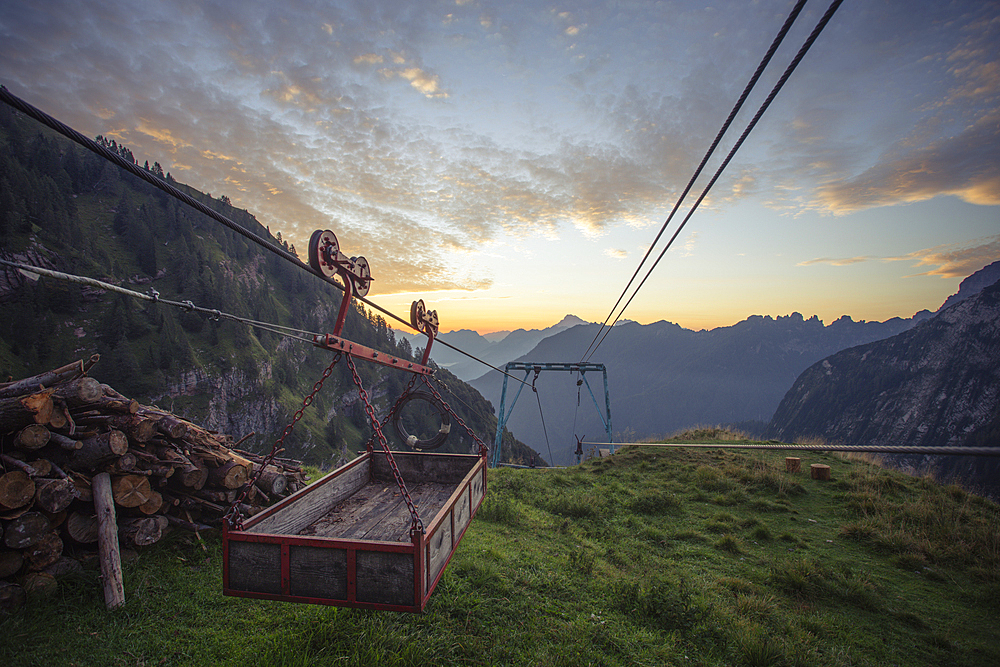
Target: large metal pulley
x,y
423,320
327,260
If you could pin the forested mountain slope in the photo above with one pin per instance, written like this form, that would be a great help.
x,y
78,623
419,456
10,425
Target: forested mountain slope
x,y
65,208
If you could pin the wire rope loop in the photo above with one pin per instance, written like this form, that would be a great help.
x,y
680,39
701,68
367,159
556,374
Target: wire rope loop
x,y
483,448
411,440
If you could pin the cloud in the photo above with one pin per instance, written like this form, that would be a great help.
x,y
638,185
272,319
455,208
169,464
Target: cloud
x,y
428,84
421,140
956,261
965,166
687,250
949,261
836,261
616,253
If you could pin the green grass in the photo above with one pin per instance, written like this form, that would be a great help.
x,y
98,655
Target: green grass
x,y
630,560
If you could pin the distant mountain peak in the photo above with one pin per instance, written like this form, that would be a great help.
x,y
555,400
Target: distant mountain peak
x,y
569,321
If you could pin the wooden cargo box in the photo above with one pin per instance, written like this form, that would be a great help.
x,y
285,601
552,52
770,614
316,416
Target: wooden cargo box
x,y
345,539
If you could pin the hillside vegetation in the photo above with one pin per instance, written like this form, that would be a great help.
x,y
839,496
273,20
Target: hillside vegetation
x,y
651,557
65,208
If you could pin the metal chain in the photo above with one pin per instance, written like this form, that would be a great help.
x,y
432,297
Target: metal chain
x,y
393,410
233,517
415,521
483,449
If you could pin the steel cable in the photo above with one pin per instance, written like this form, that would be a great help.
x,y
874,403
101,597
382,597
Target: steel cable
x,y
874,449
156,298
718,137
760,112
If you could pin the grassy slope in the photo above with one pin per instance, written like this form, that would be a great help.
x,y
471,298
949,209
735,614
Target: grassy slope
x,y
652,557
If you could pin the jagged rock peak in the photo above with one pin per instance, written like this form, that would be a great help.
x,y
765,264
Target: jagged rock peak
x,y
977,282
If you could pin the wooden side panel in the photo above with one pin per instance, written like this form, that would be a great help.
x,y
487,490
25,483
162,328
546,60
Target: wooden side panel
x,y
318,572
316,502
421,467
439,548
478,487
463,512
255,567
385,578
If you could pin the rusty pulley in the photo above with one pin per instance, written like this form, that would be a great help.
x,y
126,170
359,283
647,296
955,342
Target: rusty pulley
x,y
327,260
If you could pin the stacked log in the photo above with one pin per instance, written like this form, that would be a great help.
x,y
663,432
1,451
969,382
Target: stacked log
x,y
61,429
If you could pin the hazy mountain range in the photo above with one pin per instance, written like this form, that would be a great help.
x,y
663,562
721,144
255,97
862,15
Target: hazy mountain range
x,y
664,377
495,348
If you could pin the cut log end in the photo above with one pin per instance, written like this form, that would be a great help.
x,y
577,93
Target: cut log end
x,y
820,471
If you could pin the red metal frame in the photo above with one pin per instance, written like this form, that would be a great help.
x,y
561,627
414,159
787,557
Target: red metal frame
x,y
338,344
420,546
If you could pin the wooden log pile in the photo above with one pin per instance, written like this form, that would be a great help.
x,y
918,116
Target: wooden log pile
x,y
61,430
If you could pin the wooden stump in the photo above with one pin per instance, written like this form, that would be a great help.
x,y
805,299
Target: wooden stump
x,y
131,490
26,530
16,489
39,585
32,437
820,471
82,527
793,464
54,495
45,552
11,561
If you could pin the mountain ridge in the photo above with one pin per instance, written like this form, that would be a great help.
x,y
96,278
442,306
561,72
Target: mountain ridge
x,y
664,378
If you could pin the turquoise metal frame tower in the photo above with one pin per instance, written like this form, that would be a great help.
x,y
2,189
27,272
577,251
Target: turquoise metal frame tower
x,y
536,368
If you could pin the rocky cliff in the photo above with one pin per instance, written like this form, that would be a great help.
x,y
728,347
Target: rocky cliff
x,y
937,384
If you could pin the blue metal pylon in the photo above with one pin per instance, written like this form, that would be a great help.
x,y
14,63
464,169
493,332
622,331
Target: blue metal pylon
x,y
536,368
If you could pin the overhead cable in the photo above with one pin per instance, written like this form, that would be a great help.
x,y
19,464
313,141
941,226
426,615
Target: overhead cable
x,y
873,449
760,112
718,137
155,297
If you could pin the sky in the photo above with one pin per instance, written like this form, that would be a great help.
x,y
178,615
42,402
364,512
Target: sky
x,y
511,162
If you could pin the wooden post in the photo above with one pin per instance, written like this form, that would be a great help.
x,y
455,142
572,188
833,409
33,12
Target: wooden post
x,y
107,542
793,464
820,471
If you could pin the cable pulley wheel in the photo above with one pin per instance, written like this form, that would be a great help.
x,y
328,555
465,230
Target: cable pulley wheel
x,y
364,282
411,440
323,250
423,320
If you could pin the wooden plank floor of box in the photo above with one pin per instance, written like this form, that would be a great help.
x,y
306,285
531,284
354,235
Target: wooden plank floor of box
x,y
345,539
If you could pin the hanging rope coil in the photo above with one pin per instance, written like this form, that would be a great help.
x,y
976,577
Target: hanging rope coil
x,y
411,440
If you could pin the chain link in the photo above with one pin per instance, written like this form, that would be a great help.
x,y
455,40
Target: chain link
x,y
393,410
483,449
234,518
415,522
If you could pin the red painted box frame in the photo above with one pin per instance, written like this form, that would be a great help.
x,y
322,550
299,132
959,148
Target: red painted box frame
x,y
426,550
